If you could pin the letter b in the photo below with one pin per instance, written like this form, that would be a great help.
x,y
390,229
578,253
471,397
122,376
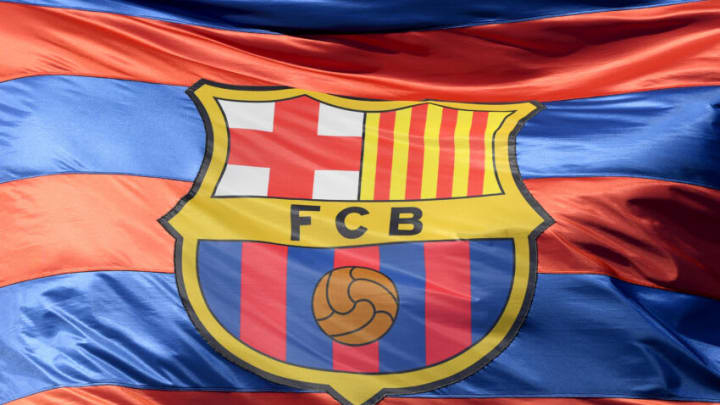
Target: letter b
x,y
413,220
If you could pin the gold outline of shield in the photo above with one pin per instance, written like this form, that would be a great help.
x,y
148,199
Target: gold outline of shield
x,y
200,216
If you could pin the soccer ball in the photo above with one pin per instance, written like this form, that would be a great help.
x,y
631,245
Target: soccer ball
x,y
355,305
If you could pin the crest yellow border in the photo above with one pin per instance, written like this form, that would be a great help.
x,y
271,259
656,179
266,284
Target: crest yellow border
x,y
527,222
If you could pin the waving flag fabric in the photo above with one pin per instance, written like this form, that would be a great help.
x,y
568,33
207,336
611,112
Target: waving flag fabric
x,y
523,197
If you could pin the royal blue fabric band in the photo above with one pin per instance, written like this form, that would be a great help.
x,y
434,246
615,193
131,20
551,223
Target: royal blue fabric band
x,y
585,336
69,124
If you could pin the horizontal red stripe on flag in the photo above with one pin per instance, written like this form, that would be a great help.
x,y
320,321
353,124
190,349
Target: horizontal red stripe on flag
x,y
116,395
649,232
81,222
548,59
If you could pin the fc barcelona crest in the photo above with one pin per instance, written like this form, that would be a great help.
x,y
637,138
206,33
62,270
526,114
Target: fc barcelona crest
x,y
359,247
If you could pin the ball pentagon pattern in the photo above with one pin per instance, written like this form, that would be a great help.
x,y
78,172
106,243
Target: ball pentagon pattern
x,y
355,305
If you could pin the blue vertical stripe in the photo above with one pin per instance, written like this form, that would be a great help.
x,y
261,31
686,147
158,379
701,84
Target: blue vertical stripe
x,y
219,264
307,345
403,347
491,274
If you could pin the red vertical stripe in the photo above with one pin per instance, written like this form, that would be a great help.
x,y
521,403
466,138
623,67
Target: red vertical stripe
x,y
386,132
364,359
448,298
477,153
262,294
416,152
447,153
295,129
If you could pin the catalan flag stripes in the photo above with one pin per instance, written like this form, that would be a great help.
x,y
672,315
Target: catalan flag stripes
x,y
428,151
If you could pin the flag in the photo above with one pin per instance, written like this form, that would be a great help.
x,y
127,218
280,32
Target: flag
x,y
332,202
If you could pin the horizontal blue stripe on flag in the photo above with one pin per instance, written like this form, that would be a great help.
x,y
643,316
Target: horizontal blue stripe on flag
x,y
585,336
68,124
289,16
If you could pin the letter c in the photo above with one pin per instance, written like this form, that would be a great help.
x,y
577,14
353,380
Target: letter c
x,y
342,226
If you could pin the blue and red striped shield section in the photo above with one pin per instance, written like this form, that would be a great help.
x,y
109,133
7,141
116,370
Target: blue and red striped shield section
x,y
356,246
451,294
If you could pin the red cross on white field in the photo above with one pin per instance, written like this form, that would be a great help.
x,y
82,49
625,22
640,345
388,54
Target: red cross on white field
x,y
293,151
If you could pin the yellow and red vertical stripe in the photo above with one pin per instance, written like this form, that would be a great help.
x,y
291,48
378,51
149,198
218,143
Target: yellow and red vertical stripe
x,y
427,152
